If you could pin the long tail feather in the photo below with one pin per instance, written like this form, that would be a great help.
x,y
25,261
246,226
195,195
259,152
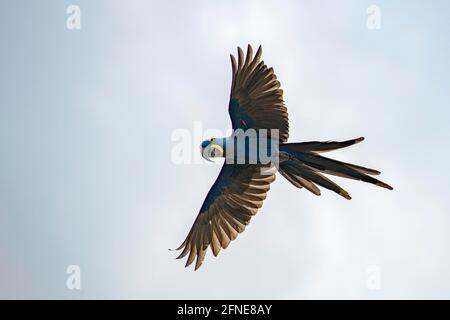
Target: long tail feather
x,y
301,175
330,166
304,167
293,175
323,146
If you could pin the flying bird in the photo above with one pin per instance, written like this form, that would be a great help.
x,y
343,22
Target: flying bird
x,y
256,104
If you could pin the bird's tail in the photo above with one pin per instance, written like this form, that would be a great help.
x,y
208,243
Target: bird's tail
x,y
303,166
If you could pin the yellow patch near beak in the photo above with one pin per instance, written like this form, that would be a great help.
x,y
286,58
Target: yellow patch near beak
x,y
217,147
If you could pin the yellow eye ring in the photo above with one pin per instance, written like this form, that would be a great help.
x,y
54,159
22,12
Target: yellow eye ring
x,y
211,140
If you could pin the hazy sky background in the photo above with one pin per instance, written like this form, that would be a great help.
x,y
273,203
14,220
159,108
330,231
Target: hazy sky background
x,y
86,119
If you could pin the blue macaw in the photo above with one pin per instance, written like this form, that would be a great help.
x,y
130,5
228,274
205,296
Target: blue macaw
x,y
256,103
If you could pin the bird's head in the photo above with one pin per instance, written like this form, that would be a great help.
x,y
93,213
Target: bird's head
x,y
210,149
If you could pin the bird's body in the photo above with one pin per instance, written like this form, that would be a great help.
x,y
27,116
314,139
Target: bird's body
x,y
244,147
255,151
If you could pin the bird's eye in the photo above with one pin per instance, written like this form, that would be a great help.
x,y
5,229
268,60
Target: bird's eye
x,y
211,140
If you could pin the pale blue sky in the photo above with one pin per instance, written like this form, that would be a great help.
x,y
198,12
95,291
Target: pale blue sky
x,y
86,119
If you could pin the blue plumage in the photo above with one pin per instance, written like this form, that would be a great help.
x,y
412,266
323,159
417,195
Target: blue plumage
x,y
256,108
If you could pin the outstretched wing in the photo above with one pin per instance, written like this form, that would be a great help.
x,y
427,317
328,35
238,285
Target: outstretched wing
x,y
256,100
234,198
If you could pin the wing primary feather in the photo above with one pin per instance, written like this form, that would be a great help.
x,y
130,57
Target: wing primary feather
x,y
215,243
240,58
191,257
233,70
249,56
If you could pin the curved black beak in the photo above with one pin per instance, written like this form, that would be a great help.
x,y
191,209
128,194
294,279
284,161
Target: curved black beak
x,y
205,155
